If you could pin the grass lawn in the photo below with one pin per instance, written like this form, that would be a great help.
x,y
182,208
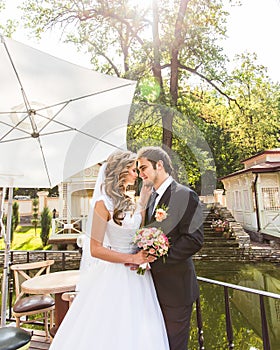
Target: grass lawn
x,y
25,239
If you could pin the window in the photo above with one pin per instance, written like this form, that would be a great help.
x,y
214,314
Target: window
x,y
246,200
270,197
237,200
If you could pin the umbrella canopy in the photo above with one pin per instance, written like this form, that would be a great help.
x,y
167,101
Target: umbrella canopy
x,y
56,119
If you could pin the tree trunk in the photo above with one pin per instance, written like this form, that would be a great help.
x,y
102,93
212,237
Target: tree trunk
x,y
156,49
177,43
174,70
165,116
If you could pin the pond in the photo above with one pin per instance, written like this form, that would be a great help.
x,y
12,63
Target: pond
x,y
245,309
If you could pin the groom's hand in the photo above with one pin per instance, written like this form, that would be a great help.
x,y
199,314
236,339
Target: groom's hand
x,y
133,267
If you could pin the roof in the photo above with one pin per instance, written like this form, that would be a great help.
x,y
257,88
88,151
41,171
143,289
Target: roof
x,y
266,167
269,151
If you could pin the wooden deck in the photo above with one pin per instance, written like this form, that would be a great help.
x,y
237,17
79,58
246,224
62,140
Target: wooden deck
x,y
38,341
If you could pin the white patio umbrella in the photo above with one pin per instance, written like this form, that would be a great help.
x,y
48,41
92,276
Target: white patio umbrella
x,y
56,119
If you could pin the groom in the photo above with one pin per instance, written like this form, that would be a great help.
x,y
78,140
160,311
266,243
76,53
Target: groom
x,y
175,279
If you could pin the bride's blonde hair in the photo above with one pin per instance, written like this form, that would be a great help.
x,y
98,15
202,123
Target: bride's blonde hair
x,y
116,171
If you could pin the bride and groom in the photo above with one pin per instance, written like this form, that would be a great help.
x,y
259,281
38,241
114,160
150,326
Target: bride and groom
x,y
116,308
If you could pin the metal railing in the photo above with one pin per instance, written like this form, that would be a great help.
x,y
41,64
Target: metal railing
x,y
229,326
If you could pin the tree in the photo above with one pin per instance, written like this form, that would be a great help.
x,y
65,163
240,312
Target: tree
x,y
191,155
35,214
10,26
162,45
46,221
255,120
235,130
32,192
15,219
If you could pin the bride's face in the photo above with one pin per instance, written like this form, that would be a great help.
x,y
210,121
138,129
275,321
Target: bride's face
x,y
131,176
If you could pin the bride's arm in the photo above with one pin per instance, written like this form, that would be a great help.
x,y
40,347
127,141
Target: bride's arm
x,y
145,194
101,216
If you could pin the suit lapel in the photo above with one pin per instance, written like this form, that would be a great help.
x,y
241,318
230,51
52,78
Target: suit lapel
x,y
164,200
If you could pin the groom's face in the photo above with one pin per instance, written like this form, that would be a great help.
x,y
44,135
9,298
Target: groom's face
x,y
146,171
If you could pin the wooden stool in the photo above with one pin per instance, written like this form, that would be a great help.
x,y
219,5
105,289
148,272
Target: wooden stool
x,y
13,338
69,296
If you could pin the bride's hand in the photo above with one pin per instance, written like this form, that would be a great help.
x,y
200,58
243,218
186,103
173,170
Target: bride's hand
x,y
143,257
145,193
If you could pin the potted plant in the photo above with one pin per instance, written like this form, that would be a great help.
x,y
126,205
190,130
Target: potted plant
x,y
220,225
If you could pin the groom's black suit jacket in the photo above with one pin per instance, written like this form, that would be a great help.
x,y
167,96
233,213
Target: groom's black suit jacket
x,y
175,279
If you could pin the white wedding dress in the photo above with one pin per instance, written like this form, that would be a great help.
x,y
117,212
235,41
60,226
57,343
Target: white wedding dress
x,y
115,309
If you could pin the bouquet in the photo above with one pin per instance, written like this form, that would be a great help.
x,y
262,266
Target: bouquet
x,y
152,240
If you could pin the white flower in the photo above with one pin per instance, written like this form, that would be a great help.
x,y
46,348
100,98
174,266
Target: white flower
x,y
161,214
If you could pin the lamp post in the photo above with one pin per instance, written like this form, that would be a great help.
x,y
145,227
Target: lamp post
x,y
54,213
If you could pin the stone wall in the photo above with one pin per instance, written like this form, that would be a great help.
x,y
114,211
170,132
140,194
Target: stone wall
x,y
241,235
64,260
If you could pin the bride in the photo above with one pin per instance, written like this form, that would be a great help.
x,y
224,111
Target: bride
x,y
115,307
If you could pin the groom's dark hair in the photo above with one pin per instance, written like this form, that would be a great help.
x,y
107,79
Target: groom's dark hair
x,y
155,154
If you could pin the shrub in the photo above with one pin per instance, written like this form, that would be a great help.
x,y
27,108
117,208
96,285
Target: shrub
x,y
46,221
35,215
15,219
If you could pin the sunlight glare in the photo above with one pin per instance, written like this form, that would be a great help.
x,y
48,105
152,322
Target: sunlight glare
x,y
141,3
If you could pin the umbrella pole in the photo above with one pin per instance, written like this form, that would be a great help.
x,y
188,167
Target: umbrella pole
x,y
2,226
6,270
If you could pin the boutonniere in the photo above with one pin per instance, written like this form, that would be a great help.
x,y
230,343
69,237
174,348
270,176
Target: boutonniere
x,y
161,213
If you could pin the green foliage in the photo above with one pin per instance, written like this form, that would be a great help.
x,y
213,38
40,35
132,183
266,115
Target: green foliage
x,y
140,40
4,220
46,221
15,219
208,118
191,156
242,127
35,213
255,120
15,216
9,27
32,192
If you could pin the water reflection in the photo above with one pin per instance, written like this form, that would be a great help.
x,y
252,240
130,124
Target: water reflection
x,y
245,309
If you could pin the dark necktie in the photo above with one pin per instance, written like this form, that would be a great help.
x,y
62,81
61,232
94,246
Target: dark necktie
x,y
151,205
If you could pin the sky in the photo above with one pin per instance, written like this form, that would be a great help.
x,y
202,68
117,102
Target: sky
x,y
252,27
255,27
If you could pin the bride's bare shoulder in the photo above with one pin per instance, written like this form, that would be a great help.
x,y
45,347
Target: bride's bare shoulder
x,y
101,209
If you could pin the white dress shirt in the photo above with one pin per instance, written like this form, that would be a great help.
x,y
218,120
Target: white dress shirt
x,y
162,188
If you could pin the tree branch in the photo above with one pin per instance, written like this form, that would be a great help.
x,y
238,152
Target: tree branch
x,y
105,56
194,71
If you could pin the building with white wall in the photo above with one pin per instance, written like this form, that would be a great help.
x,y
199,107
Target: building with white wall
x,y
74,205
253,195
